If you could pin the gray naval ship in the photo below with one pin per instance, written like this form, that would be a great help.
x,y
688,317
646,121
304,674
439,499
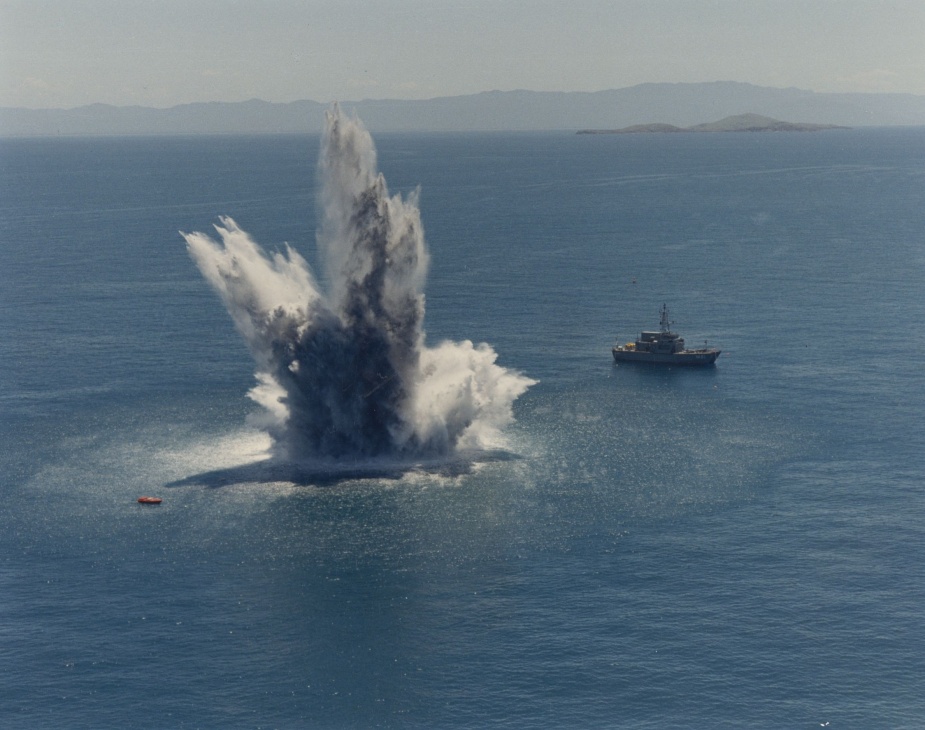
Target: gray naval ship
x,y
664,347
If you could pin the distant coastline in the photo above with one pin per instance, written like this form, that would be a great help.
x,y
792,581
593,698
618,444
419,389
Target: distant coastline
x,y
735,123
683,106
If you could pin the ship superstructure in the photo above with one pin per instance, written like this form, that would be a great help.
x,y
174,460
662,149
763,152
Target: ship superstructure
x,y
663,346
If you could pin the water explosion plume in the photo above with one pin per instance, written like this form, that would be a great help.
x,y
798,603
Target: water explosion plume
x,y
346,372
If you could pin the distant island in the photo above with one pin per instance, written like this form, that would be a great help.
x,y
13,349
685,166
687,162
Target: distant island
x,y
736,123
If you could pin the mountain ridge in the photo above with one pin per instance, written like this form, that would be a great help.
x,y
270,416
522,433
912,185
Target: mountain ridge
x,y
681,105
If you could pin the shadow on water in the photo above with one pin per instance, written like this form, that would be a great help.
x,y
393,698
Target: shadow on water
x,y
331,473
663,367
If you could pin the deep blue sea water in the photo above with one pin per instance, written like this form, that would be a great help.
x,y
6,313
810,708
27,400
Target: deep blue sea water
x,y
740,546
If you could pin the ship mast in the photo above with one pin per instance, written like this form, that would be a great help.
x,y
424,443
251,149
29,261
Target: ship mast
x,y
665,324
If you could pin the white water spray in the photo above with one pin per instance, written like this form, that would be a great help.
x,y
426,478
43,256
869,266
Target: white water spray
x,y
346,372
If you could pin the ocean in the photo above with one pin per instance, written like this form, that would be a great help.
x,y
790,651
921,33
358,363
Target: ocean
x,y
736,546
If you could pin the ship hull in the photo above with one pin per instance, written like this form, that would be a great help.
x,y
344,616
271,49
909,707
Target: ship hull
x,y
689,357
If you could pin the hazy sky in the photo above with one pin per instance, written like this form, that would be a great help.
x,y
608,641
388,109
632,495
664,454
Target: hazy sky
x,y
65,53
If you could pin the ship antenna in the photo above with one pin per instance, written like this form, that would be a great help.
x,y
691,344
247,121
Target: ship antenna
x,y
666,325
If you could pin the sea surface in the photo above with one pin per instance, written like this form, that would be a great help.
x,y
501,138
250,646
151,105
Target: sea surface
x,y
738,546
